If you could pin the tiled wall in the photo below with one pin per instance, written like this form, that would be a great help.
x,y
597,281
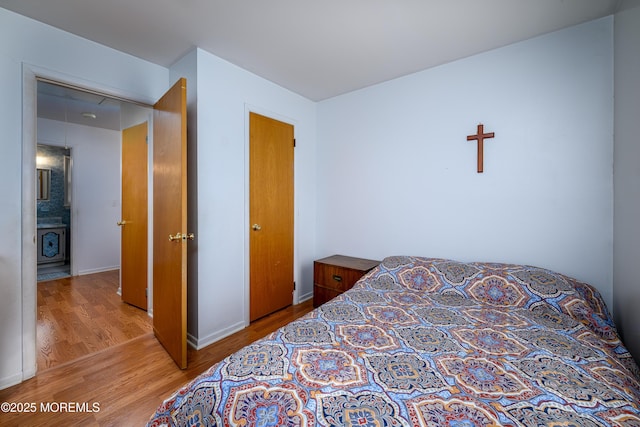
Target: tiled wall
x,y
53,158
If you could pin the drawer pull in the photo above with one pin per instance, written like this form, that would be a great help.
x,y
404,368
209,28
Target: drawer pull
x,y
337,278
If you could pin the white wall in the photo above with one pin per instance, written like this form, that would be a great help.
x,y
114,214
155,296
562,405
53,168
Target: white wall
x,y
225,95
96,192
626,250
397,175
395,172
224,100
29,45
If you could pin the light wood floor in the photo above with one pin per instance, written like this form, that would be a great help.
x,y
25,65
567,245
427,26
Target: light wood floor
x,y
81,315
127,380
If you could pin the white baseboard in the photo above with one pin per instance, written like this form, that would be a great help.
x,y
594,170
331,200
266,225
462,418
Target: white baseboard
x,y
192,341
98,270
303,298
11,380
199,344
29,372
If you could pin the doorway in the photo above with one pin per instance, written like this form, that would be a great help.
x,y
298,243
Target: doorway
x,y
53,211
89,126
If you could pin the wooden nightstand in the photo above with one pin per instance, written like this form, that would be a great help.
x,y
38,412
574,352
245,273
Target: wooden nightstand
x,y
335,274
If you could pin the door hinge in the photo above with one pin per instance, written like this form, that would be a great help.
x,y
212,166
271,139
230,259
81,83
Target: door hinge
x,y
294,143
294,286
146,292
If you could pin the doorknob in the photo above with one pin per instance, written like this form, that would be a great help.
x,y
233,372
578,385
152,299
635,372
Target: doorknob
x,y
121,223
180,236
256,227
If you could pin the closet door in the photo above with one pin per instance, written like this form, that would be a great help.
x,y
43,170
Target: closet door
x,y
271,161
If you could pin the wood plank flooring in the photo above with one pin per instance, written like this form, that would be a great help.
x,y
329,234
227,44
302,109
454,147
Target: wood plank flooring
x,y
82,315
127,381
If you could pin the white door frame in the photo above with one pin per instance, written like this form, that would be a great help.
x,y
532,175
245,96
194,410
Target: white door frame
x,y
30,75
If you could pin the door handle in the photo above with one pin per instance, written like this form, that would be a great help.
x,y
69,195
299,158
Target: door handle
x,y
180,236
256,227
121,223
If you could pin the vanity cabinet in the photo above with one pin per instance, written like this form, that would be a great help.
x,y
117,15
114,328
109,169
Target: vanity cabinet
x,y
52,244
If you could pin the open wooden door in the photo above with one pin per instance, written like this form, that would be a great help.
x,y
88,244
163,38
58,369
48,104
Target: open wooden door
x,y
170,222
133,222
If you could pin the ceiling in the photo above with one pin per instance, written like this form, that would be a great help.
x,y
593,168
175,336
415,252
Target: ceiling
x,y
73,106
316,49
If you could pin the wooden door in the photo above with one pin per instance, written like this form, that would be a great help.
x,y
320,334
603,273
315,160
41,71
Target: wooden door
x,y
271,207
133,222
170,222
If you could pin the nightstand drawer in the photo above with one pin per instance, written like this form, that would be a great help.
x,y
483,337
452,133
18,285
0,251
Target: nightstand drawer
x,y
336,278
322,295
336,274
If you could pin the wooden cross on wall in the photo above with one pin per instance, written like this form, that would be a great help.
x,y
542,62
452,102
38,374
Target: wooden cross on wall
x,y
480,136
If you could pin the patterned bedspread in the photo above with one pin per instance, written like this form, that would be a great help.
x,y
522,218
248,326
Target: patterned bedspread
x,y
429,342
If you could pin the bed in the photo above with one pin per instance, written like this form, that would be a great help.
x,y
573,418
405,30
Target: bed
x,y
429,342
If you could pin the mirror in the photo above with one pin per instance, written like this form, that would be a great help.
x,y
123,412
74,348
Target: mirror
x,y
43,178
67,181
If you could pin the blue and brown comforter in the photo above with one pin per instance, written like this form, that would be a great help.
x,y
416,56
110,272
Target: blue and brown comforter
x,y
429,342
